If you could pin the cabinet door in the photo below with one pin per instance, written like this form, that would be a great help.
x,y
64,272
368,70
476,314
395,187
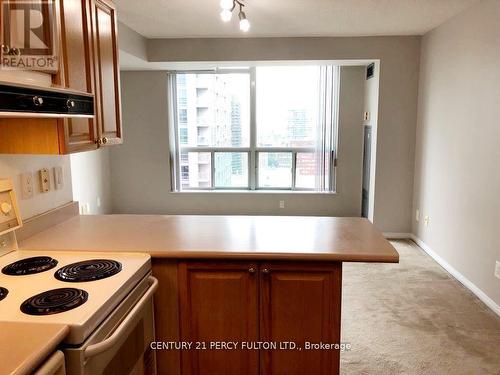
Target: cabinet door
x,y
107,73
300,303
79,134
218,302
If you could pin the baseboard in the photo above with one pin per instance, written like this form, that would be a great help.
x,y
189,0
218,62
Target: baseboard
x,y
457,275
397,236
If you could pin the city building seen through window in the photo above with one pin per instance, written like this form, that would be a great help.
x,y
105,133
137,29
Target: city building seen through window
x,y
262,128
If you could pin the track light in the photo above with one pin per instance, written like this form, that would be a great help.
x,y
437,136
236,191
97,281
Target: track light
x,y
227,11
226,15
227,4
244,23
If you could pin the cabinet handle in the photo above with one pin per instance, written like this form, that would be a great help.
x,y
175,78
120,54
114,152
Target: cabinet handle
x,y
251,270
265,271
101,141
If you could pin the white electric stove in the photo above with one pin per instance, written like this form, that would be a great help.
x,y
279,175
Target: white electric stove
x,y
106,299
81,305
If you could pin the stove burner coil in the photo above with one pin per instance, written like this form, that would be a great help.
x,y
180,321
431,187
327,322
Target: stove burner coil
x,y
88,270
3,293
29,266
54,301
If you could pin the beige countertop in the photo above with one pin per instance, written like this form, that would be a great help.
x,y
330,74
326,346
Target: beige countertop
x,y
24,346
221,237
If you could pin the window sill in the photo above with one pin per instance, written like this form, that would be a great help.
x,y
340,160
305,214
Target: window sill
x,y
280,192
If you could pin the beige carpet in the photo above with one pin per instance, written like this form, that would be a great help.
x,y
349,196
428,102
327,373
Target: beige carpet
x,y
415,318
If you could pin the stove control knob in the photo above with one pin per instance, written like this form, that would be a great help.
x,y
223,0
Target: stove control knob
x,y
5,208
70,104
37,101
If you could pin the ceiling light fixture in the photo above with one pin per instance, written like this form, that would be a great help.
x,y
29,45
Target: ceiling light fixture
x,y
227,12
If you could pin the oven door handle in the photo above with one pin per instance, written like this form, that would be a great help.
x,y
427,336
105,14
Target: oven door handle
x,y
95,349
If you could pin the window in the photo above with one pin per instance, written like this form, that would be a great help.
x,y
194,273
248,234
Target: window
x,y
183,136
183,116
263,128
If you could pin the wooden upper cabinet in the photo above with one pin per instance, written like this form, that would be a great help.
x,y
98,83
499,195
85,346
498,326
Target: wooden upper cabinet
x,y
218,302
299,303
107,72
77,71
88,51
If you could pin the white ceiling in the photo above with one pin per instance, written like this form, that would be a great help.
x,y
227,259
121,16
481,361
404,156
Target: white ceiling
x,y
200,18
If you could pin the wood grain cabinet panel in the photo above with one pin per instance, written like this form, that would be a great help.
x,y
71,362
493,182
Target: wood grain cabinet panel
x,y
77,134
219,302
300,303
166,305
266,302
107,73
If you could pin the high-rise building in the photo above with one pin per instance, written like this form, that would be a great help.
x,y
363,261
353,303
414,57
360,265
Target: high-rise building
x,y
299,132
299,127
204,119
236,140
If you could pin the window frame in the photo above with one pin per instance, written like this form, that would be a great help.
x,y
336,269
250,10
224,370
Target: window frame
x,y
252,150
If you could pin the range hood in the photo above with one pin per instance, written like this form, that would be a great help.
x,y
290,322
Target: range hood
x,y
18,100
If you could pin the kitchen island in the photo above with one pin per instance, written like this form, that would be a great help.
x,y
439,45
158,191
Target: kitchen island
x,y
247,280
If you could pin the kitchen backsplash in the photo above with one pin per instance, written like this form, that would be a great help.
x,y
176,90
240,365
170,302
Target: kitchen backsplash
x,y
13,166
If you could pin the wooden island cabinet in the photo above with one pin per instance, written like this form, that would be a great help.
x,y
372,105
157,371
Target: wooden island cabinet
x,y
249,279
219,302
248,303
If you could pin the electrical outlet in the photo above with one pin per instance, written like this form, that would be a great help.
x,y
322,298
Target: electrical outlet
x,y
27,188
44,180
84,208
497,269
427,219
417,215
282,204
58,178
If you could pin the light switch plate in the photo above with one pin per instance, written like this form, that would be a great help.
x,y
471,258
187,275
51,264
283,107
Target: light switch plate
x,y
427,219
497,269
282,204
84,209
58,178
27,187
44,180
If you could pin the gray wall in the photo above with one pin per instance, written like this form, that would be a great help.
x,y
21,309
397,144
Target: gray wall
x,y
399,67
371,107
90,177
131,42
140,167
457,177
